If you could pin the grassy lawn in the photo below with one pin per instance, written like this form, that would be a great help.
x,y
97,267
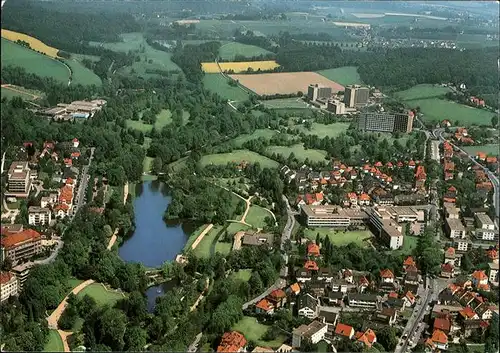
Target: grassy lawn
x,y
163,119
33,62
299,151
237,157
340,238
492,149
146,164
265,133
55,343
296,103
193,236
346,75
234,228
243,275
204,247
216,83
147,142
253,331
256,216
229,50
82,75
409,243
100,294
423,91
138,125
16,91
322,130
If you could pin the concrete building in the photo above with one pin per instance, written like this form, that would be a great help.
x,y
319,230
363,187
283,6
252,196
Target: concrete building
x,y
454,228
314,332
391,235
385,122
356,96
308,306
493,272
483,221
367,301
317,91
332,216
8,285
19,181
39,216
486,234
336,107
21,272
20,245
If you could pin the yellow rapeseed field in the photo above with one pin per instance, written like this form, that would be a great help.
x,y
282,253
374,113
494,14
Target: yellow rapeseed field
x,y
34,43
243,66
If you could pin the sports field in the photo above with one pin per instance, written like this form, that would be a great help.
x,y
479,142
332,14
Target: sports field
x,y
229,50
240,66
346,75
284,82
82,75
423,91
492,149
33,62
237,157
322,130
34,43
296,103
100,294
299,151
217,83
339,237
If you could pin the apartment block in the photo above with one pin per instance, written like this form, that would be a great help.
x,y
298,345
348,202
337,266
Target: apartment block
x,y
39,216
314,332
336,107
368,301
18,180
483,221
332,216
454,228
21,244
8,285
385,122
356,96
486,234
317,91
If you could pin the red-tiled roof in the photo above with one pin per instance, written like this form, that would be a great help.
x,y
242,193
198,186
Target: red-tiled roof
x,y
386,273
311,265
468,313
409,261
443,324
447,267
295,288
5,277
277,294
312,249
479,275
439,336
364,197
264,304
450,252
343,330
231,342
12,239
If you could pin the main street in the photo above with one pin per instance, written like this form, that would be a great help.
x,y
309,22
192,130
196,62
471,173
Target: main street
x,y
84,180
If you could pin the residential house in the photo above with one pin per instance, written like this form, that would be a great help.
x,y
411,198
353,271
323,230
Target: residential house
x,y
368,338
493,273
335,298
257,239
232,342
450,256
303,275
325,274
439,340
386,276
295,288
39,216
448,270
387,316
308,306
408,262
277,298
359,300
345,331
311,265
314,332
443,324
480,280
313,250
409,298
363,283
264,307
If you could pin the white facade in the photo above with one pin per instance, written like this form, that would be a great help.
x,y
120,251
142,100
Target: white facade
x,y
462,245
39,216
486,234
308,312
8,287
484,221
396,242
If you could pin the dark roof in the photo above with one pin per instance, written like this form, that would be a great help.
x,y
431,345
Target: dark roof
x,y
362,296
303,273
411,276
307,301
257,239
446,296
411,288
394,302
329,316
335,295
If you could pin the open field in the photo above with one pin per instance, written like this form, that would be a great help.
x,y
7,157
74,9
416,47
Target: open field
x,y
256,216
422,92
147,164
492,149
55,343
284,82
11,91
229,50
138,125
219,84
237,157
254,331
296,103
322,130
339,237
299,151
34,43
211,244
265,133
346,75
436,109
163,118
234,228
82,75
243,275
409,244
241,66
33,62
100,294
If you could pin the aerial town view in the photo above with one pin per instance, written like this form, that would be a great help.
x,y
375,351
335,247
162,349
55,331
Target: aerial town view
x,y
249,176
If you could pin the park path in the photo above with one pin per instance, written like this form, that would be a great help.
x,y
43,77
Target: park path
x,y
9,87
202,295
112,241
201,236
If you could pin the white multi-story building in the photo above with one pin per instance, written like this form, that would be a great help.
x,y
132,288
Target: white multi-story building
x,y
487,234
314,332
454,228
39,216
8,285
483,221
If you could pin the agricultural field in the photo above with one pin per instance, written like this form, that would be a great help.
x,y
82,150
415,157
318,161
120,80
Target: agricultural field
x,y
240,66
299,151
255,331
11,91
33,62
284,82
322,130
295,103
265,133
82,75
34,43
256,216
339,237
237,157
346,75
217,83
229,50
423,91
491,149
101,295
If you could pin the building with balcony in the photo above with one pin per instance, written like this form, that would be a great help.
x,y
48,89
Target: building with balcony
x,y
8,285
20,245
385,122
39,216
18,180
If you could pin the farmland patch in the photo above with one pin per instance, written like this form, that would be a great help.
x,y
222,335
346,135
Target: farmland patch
x,y
242,66
34,43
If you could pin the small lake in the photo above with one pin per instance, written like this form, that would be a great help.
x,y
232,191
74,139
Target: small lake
x,y
154,241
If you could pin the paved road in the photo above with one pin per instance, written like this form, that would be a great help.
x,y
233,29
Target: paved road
x,y
3,156
80,196
287,232
194,346
280,283
435,150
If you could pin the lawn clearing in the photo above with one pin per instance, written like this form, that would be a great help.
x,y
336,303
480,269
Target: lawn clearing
x,y
11,91
339,237
217,83
243,275
163,118
284,82
256,216
322,130
101,295
138,125
296,103
423,91
238,156
265,133
491,149
55,343
254,331
147,164
33,62
299,151
346,75
238,66
409,243
82,75
209,240
229,50
234,228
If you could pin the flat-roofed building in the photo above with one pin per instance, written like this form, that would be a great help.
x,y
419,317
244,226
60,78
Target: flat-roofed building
x,y
22,272
21,245
336,107
385,122
454,228
484,221
359,300
486,234
8,285
19,181
317,91
256,239
314,332
39,216
391,234
332,216
356,96
451,211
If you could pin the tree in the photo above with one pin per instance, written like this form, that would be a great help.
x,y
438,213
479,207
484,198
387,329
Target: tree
x,y
112,328
135,339
387,338
494,120
492,336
